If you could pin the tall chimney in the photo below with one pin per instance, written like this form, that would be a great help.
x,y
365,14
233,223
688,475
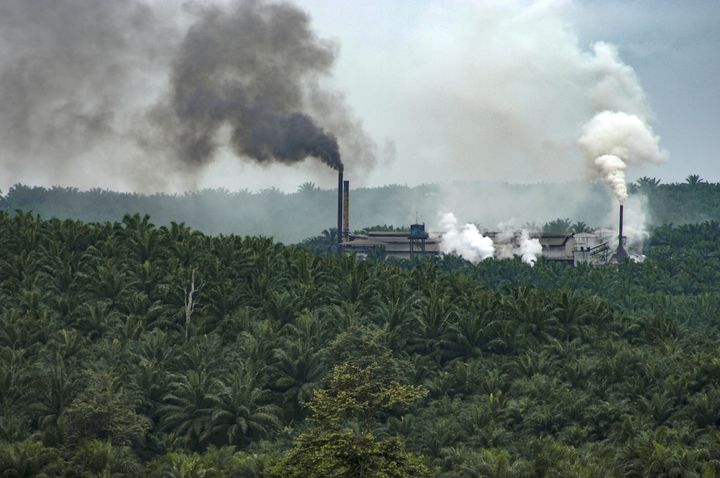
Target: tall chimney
x,y
346,211
340,206
621,253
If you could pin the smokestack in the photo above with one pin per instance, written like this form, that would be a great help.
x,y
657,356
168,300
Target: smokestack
x,y
346,211
621,253
340,207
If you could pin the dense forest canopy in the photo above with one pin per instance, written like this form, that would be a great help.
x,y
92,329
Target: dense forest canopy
x,y
128,349
290,218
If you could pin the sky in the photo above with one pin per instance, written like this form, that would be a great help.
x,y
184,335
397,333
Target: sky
x,y
494,90
673,46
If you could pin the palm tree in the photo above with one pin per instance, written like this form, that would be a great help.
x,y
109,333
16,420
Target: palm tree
x,y
323,243
397,311
241,412
646,183
299,369
573,311
188,408
28,459
307,187
579,227
558,226
431,327
202,353
534,317
96,318
694,180
282,306
54,390
466,336
103,458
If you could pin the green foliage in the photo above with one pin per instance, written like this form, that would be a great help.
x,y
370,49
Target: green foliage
x,y
361,392
558,226
215,463
296,362
344,454
100,412
360,388
29,459
99,458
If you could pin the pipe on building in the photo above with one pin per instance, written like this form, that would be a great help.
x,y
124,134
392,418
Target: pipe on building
x,y
346,211
621,253
340,206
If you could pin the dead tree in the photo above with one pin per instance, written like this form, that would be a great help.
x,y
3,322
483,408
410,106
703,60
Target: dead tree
x,y
190,302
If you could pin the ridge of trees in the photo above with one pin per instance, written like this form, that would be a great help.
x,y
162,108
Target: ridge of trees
x,y
290,218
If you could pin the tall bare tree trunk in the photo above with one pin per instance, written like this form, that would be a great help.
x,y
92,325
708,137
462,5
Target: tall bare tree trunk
x,y
190,303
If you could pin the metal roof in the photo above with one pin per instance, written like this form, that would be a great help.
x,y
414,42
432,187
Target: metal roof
x,y
399,241
392,242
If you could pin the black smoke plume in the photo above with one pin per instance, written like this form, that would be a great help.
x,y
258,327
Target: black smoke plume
x,y
91,89
246,69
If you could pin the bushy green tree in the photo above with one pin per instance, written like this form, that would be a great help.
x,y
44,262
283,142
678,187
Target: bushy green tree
x,y
361,389
102,412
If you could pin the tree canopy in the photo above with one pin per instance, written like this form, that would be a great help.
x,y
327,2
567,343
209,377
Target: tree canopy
x,y
292,363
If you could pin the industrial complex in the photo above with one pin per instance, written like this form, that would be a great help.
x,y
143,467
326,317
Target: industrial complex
x,y
574,248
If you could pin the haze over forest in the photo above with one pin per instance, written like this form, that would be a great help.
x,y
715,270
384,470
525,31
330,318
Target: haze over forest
x,y
293,217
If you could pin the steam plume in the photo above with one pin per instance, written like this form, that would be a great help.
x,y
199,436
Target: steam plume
x,y
529,249
467,241
509,243
612,141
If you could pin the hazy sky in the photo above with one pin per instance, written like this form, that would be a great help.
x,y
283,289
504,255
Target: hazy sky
x,y
447,90
673,46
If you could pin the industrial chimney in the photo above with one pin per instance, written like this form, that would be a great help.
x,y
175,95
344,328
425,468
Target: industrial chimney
x,y
620,253
346,211
340,207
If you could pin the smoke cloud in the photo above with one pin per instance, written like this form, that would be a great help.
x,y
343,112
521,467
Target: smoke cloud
x,y
145,95
529,248
498,91
470,244
74,78
465,241
612,141
245,69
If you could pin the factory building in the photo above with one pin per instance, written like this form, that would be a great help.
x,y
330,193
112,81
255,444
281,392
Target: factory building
x,y
570,248
401,244
575,248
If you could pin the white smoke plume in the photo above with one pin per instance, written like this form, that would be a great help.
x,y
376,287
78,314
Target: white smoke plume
x,y
510,243
470,244
505,240
525,75
529,248
465,241
614,140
